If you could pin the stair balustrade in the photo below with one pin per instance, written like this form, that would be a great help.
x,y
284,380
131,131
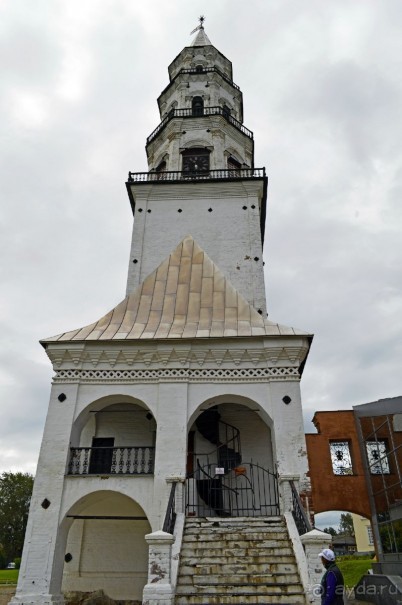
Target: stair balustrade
x,y
299,514
170,517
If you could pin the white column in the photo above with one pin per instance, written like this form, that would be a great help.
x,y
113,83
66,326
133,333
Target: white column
x,y
42,562
314,542
159,590
285,492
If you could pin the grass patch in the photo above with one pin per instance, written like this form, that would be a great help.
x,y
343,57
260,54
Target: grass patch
x,y
8,576
353,569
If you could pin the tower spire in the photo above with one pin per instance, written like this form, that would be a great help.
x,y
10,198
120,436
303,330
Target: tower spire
x,y
201,38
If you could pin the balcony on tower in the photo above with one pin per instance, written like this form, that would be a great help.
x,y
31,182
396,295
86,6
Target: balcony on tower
x,y
116,440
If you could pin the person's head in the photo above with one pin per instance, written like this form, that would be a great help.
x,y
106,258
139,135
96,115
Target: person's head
x,y
327,556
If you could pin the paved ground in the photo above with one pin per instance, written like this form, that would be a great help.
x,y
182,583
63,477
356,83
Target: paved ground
x,y
6,592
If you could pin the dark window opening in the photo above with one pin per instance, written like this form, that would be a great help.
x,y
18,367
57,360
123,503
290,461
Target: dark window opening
x,y
160,169
101,455
226,111
197,106
196,160
233,166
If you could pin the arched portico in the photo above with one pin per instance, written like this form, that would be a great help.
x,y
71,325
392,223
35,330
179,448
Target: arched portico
x,y
105,546
230,464
113,435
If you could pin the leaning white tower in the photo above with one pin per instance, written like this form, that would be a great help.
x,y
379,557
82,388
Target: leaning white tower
x,y
185,385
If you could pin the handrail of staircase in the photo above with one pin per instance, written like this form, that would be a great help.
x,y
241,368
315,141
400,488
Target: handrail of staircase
x,y
299,514
235,438
170,517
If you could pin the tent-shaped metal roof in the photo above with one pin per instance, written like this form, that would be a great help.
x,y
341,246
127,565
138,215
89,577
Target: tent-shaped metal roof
x,y
187,296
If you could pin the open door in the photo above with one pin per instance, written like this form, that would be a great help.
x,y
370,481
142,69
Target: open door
x,y
101,455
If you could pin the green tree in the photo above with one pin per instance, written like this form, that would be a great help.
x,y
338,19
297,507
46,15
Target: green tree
x,y
346,525
15,496
330,530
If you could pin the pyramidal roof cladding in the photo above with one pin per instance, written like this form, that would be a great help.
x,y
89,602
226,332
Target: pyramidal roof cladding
x,y
201,39
187,296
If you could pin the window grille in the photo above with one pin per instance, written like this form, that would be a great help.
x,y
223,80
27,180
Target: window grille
x,y
377,457
341,458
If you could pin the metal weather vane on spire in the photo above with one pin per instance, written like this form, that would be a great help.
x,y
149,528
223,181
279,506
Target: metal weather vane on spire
x,y
200,26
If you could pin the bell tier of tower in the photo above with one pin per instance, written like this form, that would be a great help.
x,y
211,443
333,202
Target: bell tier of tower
x,y
202,180
201,106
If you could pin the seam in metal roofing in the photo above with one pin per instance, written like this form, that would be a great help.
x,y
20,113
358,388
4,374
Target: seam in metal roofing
x,y
187,296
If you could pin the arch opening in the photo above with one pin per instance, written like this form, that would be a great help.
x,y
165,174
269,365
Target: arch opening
x,y
113,437
106,547
197,106
230,466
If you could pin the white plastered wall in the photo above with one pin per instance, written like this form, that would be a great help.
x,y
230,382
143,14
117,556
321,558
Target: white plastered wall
x,y
233,249
174,405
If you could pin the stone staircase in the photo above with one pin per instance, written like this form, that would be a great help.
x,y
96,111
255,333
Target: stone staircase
x,y
237,560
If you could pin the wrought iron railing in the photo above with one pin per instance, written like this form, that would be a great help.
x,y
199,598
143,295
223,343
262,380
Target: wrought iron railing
x,y
188,112
227,453
299,514
207,70
247,490
210,175
122,460
203,70
170,517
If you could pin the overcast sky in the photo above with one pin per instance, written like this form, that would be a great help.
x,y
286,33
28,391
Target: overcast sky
x,y
322,86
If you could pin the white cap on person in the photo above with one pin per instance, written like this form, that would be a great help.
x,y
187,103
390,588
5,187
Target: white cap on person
x,y
328,554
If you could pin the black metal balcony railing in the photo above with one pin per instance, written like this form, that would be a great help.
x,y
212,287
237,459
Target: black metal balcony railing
x,y
188,112
121,460
208,175
207,70
198,71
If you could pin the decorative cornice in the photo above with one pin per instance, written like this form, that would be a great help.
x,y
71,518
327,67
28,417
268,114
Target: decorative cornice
x,y
177,375
179,356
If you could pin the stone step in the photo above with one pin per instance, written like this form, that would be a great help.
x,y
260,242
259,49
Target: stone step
x,y
235,525
239,542
233,520
237,561
246,579
230,568
271,589
233,599
254,532
277,554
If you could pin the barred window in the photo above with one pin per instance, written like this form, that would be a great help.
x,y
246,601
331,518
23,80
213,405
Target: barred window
x,y
341,458
370,535
377,457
